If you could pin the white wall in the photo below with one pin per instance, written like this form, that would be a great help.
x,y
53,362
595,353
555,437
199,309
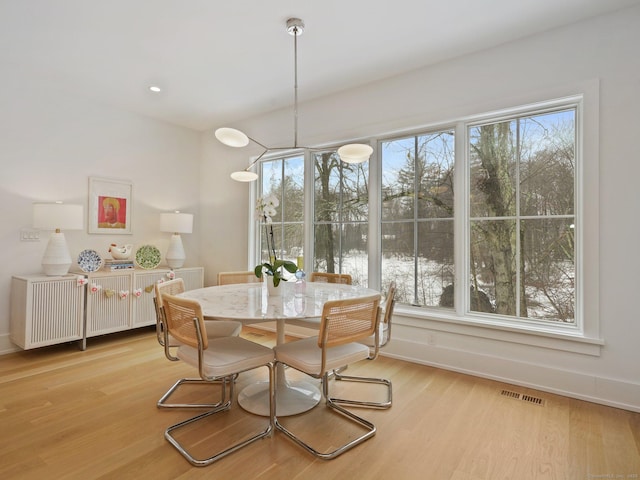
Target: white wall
x,y
52,141
598,57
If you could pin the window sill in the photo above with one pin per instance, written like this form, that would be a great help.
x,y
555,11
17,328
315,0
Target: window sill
x,y
500,330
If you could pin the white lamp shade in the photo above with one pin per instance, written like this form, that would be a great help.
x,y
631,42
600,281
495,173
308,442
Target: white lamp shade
x,y
176,222
62,216
244,176
231,137
355,153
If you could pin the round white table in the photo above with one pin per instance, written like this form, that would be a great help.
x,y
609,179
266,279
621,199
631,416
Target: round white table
x,y
250,303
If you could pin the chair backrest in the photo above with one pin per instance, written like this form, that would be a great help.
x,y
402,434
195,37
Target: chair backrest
x,y
228,278
343,278
181,316
390,302
348,320
172,287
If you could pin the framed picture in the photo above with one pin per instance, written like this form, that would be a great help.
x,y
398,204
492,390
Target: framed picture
x,y
109,206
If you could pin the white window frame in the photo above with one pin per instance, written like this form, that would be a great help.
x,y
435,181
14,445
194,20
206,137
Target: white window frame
x,y
585,337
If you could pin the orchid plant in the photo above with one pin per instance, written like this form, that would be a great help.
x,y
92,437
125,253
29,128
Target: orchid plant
x,y
265,211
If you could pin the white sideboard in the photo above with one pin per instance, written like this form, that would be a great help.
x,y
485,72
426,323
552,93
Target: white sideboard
x,y
49,310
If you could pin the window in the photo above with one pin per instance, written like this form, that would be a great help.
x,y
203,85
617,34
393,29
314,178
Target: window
x,y
417,217
522,216
477,223
340,216
284,178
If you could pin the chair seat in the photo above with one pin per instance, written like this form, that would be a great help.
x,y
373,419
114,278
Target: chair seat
x,y
305,355
227,355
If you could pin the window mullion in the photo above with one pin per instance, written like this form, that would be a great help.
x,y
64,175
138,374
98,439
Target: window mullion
x,y
461,220
415,221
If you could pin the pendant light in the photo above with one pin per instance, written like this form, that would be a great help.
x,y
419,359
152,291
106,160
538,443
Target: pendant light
x,y
352,153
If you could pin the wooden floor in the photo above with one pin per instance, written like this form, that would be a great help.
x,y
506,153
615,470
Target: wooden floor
x,y
68,414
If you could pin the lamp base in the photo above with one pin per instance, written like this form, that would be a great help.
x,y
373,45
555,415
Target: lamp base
x,y
175,254
56,260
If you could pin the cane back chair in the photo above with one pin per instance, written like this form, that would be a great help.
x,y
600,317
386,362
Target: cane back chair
x,y
214,329
216,359
344,324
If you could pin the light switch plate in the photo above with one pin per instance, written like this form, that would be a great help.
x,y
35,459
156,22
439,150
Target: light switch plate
x,y
29,235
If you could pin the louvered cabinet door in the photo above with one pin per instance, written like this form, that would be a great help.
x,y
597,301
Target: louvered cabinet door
x,y
46,310
109,302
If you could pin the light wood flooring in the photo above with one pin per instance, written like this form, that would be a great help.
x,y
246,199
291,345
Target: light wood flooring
x,y
69,414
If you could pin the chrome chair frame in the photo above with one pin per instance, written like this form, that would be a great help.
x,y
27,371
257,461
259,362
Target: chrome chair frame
x,y
382,339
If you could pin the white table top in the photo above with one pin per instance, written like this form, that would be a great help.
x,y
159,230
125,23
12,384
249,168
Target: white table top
x,y
250,303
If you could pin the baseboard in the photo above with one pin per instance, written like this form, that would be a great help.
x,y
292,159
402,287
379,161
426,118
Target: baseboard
x,y
591,388
6,345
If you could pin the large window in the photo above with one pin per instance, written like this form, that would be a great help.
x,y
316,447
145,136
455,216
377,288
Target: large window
x,y
417,217
284,179
476,221
522,216
341,216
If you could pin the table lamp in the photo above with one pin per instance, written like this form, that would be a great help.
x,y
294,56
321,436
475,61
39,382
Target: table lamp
x,y
57,216
176,223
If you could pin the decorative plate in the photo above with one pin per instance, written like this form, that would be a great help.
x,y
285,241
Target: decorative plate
x,y
90,261
148,256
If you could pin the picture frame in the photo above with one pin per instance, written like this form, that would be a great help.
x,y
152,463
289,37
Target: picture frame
x,y
110,206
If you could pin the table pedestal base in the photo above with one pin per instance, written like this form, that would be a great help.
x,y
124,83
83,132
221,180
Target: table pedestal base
x,y
291,398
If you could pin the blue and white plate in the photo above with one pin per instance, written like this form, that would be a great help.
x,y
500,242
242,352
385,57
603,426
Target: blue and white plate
x,y
90,261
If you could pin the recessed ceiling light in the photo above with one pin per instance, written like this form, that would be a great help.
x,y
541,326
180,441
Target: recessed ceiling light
x,y
155,89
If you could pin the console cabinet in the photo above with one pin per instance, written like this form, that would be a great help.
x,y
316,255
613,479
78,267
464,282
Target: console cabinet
x,y
50,310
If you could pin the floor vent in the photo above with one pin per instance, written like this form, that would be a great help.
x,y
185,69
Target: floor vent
x,y
534,400
524,398
508,393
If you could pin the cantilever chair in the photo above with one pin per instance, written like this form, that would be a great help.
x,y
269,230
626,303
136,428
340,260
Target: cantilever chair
x,y
383,337
216,360
214,329
344,324
228,278
343,278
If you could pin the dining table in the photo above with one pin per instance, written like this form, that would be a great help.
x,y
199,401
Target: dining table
x,y
298,303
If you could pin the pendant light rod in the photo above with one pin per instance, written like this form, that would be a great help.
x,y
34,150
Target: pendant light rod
x,y
352,153
295,27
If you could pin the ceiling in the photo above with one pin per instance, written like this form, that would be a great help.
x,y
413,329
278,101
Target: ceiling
x,y
221,61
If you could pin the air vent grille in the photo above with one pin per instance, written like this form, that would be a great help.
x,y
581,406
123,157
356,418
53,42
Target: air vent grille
x,y
522,397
